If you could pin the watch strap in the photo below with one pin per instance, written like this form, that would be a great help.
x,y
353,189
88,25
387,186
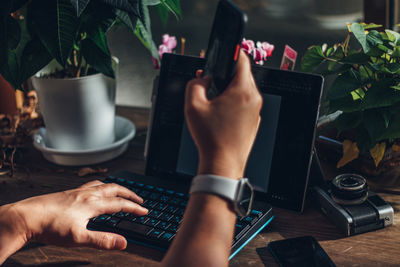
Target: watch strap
x,y
214,184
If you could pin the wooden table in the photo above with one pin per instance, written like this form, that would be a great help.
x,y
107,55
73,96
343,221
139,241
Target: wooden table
x,y
379,248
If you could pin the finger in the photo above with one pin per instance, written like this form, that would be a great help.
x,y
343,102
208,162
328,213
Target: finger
x,y
196,91
91,184
199,73
115,190
103,240
116,204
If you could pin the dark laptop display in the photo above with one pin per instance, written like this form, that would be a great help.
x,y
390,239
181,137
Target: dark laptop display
x,y
279,162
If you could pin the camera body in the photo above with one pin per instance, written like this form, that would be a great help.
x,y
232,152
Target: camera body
x,y
374,213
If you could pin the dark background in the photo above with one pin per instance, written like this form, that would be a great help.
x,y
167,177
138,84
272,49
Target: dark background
x,y
298,23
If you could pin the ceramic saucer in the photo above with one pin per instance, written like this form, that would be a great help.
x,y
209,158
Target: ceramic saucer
x,y
124,132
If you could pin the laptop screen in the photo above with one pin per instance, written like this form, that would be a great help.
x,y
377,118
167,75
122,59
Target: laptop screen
x,y
279,161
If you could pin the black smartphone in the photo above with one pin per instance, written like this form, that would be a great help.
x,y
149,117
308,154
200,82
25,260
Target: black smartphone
x,y
301,251
224,46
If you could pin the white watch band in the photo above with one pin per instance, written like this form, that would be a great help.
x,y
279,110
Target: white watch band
x,y
214,184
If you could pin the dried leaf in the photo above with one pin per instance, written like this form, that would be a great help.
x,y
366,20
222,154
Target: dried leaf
x,y
377,152
88,171
350,152
396,147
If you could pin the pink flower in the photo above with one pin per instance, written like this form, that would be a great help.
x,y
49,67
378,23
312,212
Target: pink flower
x,y
163,49
259,55
155,63
248,46
267,47
169,41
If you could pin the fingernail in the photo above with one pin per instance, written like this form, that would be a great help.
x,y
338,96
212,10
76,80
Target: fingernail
x,y
144,209
120,244
140,199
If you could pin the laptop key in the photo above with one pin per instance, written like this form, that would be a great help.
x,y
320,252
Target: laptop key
x,y
149,204
173,228
164,198
171,209
161,206
154,196
112,222
167,236
152,222
141,219
155,233
154,214
176,219
133,228
163,225
165,217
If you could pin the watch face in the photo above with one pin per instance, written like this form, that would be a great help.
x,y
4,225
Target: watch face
x,y
244,198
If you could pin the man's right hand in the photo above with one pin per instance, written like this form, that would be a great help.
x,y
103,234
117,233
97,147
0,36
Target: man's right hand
x,y
225,127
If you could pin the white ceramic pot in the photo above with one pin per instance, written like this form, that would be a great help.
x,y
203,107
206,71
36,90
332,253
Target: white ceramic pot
x,y
79,113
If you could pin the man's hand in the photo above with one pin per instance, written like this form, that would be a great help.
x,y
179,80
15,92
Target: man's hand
x,y
225,127
61,218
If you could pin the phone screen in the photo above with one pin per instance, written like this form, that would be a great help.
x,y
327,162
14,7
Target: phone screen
x,y
223,47
302,251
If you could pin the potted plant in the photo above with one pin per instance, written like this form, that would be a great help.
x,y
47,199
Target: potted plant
x,y
77,89
366,92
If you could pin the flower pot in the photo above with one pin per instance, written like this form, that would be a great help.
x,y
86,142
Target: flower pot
x,y
8,103
79,113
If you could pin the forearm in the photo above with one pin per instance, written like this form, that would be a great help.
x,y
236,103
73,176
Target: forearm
x,y
206,233
12,233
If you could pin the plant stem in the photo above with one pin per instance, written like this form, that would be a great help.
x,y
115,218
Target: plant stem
x,y
86,70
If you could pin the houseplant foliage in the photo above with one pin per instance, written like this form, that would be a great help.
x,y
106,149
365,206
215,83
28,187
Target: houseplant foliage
x,y
366,89
73,32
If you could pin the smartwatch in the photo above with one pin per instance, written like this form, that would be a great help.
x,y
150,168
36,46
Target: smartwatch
x,y
239,192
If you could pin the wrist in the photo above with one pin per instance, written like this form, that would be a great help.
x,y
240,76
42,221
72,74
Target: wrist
x,y
221,165
13,231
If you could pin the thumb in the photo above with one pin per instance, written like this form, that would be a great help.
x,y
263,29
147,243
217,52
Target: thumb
x,y
103,240
196,91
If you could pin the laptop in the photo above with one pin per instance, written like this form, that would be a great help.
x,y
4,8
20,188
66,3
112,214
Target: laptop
x,y
278,165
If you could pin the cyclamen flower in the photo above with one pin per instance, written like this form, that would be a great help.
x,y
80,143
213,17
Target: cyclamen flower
x,y
163,49
267,47
169,41
259,55
248,46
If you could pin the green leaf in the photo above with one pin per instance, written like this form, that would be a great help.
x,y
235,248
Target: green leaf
x,y
152,2
96,53
347,121
393,68
143,32
162,13
371,26
79,6
363,140
374,123
128,20
312,59
130,6
331,70
393,131
374,38
380,94
357,58
56,24
13,32
344,84
34,58
393,36
97,14
173,6
10,71
360,35
345,104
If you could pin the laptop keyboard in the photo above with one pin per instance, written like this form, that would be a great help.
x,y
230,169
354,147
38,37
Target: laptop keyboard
x,y
166,208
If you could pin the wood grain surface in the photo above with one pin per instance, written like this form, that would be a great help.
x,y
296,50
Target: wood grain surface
x,y
36,176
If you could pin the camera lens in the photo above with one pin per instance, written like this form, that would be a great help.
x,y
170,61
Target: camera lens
x,y
350,182
349,189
